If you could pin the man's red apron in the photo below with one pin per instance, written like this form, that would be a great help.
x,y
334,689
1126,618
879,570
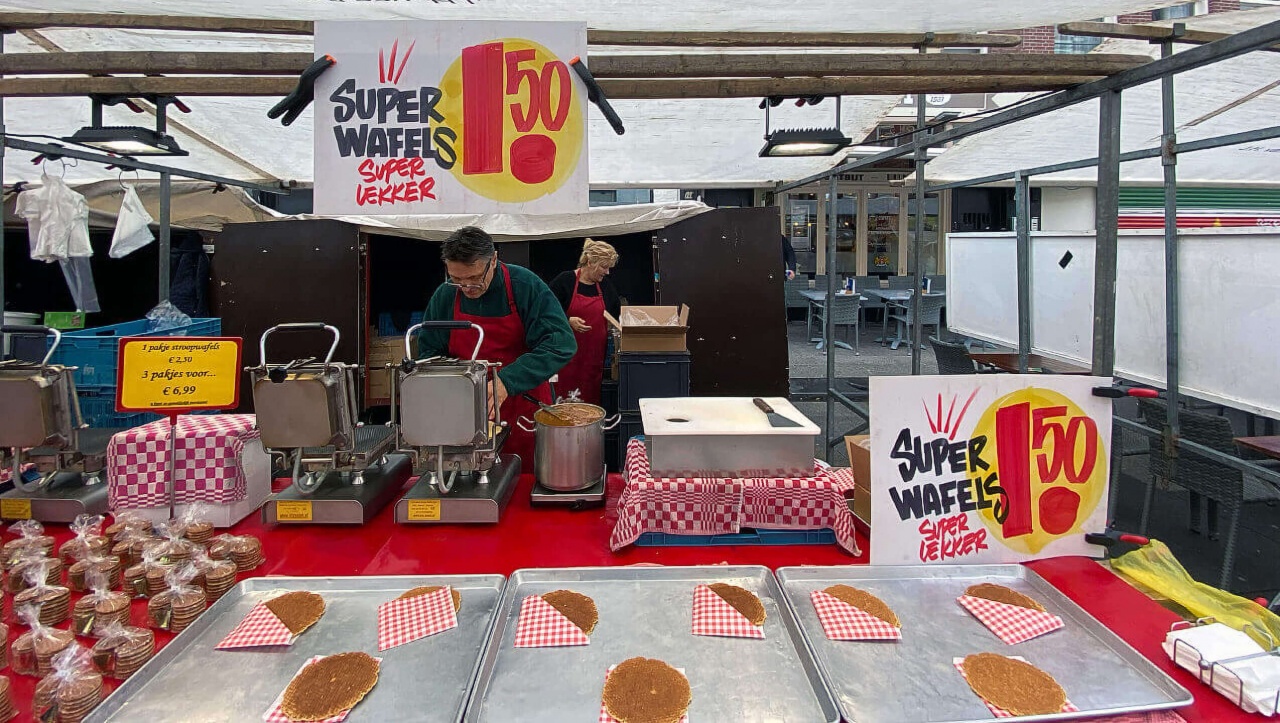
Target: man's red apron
x,y
585,370
504,343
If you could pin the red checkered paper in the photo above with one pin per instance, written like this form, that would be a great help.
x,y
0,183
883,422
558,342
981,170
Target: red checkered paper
x,y
604,714
1010,623
275,715
713,615
1067,707
542,626
842,621
405,620
260,628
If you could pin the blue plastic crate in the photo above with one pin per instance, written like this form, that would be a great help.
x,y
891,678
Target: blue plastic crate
x,y
747,537
387,325
93,351
99,411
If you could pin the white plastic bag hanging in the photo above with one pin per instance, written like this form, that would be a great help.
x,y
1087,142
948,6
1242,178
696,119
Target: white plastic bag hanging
x,y
133,226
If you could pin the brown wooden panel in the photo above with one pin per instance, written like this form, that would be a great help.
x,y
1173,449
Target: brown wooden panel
x,y
726,265
290,271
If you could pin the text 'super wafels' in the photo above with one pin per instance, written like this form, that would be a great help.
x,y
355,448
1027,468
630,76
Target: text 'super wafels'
x,y
644,690
864,601
744,601
298,610
329,686
1012,685
1002,594
428,589
580,609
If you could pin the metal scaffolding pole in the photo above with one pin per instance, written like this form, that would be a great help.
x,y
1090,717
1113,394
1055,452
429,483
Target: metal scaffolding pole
x,y
1104,265
828,321
1022,224
165,261
917,243
2,215
1169,161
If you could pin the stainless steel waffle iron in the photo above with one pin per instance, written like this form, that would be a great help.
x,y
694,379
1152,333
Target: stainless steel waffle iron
x,y
440,408
40,424
342,471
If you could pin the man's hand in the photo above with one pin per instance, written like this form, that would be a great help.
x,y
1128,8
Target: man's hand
x,y
790,275
579,325
497,395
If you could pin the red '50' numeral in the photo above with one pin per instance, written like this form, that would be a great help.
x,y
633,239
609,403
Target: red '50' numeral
x,y
483,88
1020,431
540,87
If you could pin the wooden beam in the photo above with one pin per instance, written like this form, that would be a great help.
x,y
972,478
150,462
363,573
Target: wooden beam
x,y
769,65
36,21
798,40
875,85
138,87
167,63
1143,32
779,65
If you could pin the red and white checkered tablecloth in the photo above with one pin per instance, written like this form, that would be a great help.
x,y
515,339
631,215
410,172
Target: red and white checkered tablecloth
x,y
718,506
207,467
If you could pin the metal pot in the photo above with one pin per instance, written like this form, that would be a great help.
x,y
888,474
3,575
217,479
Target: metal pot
x,y
569,458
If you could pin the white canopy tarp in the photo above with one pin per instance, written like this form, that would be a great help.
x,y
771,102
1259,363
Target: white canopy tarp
x,y
668,144
1210,101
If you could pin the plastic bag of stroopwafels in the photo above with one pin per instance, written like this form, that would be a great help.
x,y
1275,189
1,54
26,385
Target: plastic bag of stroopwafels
x,y
71,690
125,523
244,550
123,649
30,537
26,560
175,548
180,604
102,606
194,523
135,576
54,601
216,576
32,652
88,540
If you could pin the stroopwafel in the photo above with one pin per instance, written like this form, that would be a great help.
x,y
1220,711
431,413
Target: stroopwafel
x,y
156,582
1002,594
329,686
80,547
174,611
246,552
18,581
108,566
644,690
72,698
1012,685
298,610
135,580
199,532
428,589
7,710
120,655
744,601
580,609
218,579
54,602
33,653
93,614
864,601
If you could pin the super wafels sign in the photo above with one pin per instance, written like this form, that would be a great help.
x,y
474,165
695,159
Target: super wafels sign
x,y
987,469
421,117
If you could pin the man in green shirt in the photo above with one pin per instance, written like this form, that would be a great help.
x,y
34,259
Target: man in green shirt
x,y
525,328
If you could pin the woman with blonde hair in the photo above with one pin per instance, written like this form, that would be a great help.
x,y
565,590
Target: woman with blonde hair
x,y
586,294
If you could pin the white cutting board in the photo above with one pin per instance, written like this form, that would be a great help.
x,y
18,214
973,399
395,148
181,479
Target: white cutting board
x,y
719,415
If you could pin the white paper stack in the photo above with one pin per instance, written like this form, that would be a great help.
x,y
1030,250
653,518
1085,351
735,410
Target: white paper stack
x,y
1204,645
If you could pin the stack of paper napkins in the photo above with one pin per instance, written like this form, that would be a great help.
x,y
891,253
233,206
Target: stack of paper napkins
x,y
1204,645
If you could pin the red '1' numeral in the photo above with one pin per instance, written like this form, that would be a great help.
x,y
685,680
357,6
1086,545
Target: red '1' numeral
x,y
1013,454
482,134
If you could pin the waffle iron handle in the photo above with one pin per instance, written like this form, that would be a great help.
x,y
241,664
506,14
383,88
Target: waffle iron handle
x,y
447,325
307,326
35,329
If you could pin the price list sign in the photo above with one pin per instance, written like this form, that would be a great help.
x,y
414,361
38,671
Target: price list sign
x,y
990,469
178,374
420,117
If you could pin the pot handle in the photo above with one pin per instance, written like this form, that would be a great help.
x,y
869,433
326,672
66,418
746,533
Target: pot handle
x,y
610,424
520,422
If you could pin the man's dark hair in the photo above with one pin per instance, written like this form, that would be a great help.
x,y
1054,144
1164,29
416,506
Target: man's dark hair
x,y
467,245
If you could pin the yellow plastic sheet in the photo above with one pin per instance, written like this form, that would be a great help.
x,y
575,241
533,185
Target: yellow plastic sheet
x,y
1155,567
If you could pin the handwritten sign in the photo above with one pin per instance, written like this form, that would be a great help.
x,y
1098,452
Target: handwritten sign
x,y
450,117
987,469
168,374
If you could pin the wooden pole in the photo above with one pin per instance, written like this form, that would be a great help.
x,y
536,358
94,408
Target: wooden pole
x,y
167,63
36,21
1143,32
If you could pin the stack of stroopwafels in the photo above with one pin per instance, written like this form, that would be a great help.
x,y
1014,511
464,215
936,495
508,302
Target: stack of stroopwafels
x,y
33,654
122,653
219,577
54,602
93,613
175,610
108,565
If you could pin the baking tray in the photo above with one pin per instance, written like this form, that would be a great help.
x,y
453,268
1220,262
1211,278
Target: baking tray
x,y
913,680
426,680
648,611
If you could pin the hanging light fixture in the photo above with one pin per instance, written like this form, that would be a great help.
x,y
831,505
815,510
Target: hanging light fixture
x,y
128,140
802,141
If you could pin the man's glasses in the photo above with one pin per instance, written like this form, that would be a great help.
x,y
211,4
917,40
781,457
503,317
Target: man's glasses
x,y
471,282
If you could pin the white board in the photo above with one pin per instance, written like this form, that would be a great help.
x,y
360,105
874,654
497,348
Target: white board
x,y
1229,301
987,468
462,117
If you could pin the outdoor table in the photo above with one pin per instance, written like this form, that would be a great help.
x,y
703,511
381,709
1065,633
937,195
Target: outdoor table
x,y
1269,446
817,297
892,297
1036,364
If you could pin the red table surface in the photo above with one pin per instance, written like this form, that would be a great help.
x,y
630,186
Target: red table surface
x,y
559,537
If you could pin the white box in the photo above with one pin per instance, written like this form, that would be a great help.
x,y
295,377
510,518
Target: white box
x,y
257,471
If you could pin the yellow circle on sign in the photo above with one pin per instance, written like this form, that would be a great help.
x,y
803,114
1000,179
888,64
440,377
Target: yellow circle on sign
x,y
542,133
1040,421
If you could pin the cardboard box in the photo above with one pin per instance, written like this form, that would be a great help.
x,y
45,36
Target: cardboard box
x,y
668,334
859,450
384,350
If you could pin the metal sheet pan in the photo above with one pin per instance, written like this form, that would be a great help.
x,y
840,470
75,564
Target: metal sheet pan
x,y
648,611
426,680
913,680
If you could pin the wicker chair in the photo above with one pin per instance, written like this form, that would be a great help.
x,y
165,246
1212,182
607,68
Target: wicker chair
x,y
902,282
846,314
937,283
953,357
1221,485
791,290
930,314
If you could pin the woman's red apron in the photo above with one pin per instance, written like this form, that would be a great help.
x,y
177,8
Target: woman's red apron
x,y
504,343
585,370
